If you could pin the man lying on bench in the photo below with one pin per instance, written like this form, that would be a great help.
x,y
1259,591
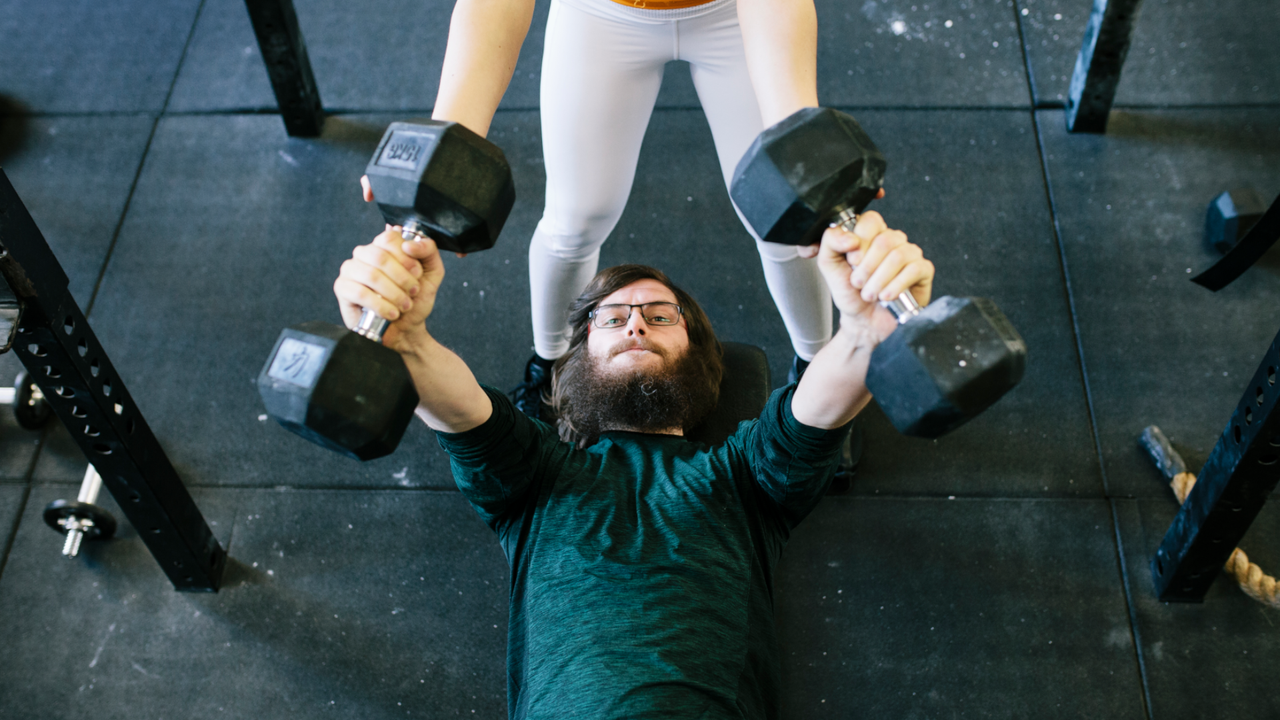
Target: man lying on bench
x,y
642,563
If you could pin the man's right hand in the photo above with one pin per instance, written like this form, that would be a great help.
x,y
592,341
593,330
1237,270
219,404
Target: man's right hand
x,y
394,278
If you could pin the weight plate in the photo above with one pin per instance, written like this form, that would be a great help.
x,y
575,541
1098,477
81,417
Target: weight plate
x,y
104,526
32,412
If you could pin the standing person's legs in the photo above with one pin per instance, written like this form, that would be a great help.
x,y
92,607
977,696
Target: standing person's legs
x,y
713,46
600,78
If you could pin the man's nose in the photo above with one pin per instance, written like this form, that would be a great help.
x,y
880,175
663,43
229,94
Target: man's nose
x,y
636,324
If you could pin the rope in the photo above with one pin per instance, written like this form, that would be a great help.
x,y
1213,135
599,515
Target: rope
x,y
1255,583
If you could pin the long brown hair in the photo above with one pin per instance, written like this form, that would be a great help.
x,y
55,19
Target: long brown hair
x,y
572,366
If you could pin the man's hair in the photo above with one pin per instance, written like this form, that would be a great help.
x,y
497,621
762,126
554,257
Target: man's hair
x,y
574,366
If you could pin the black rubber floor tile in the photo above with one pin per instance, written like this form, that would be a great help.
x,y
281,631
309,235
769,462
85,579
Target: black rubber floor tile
x,y
904,53
17,445
373,56
965,608
1215,659
1159,349
223,69
73,175
236,232
1183,52
11,495
76,56
386,604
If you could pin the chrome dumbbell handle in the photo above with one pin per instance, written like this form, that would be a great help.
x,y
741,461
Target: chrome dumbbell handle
x,y
76,526
904,307
371,325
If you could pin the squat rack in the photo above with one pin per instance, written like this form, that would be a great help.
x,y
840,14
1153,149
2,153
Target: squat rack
x,y
41,322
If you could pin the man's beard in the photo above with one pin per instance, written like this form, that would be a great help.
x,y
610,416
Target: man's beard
x,y
674,396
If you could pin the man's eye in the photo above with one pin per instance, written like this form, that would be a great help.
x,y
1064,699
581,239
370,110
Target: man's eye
x,y
611,321
660,318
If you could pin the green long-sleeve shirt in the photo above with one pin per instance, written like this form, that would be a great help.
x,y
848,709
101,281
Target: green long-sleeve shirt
x,y
642,566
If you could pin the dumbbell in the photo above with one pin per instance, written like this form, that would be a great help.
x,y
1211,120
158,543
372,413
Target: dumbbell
x,y
81,519
1230,217
944,364
29,406
343,389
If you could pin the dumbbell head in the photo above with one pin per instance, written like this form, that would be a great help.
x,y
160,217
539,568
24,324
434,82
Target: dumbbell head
x,y
799,174
946,365
441,177
338,389
29,406
1230,217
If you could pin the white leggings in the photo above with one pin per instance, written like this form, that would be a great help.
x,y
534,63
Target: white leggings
x,y
602,66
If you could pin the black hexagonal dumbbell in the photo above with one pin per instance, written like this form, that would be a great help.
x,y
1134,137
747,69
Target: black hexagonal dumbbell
x,y
1230,217
944,364
343,389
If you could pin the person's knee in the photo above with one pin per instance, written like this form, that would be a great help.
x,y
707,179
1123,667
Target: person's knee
x,y
574,241
777,252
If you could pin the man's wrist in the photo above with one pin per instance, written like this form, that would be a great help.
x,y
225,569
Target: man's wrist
x,y
857,332
416,343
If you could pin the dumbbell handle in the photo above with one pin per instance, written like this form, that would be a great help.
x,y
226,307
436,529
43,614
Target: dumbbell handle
x,y
904,307
89,489
371,325
90,486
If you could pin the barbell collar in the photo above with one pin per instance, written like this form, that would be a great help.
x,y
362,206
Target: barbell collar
x,y
904,307
414,231
371,325
846,219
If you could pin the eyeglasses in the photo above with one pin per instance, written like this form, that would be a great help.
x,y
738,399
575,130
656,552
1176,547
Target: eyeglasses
x,y
608,317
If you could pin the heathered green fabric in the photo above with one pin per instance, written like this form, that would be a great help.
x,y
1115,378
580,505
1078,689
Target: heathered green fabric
x,y
642,567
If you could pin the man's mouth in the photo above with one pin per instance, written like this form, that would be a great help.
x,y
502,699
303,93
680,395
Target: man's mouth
x,y
637,347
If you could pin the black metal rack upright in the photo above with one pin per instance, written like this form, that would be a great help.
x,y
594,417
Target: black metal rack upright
x,y
50,335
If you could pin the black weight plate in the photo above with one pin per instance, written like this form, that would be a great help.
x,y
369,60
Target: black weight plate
x,y
104,526
31,414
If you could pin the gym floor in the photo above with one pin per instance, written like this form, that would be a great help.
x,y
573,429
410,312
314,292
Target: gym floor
x,y
1001,571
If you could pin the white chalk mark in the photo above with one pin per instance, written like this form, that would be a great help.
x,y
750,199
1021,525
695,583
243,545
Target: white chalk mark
x,y
110,629
287,158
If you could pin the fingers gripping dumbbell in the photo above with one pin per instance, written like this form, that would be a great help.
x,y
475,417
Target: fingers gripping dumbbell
x,y
944,364
81,519
344,390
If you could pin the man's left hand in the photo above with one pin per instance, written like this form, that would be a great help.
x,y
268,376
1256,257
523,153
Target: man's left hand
x,y
872,264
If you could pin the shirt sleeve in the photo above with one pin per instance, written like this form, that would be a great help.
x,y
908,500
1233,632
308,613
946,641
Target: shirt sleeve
x,y
792,463
498,464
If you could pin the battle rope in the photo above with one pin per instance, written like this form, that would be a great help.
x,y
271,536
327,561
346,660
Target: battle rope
x,y
1255,583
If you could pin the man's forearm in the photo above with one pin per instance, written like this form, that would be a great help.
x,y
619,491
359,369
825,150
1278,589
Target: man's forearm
x,y
449,398
834,386
484,42
781,42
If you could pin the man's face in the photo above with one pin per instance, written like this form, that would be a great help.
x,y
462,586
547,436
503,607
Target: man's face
x,y
638,346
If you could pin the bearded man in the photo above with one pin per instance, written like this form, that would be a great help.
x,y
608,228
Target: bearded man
x,y
642,564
